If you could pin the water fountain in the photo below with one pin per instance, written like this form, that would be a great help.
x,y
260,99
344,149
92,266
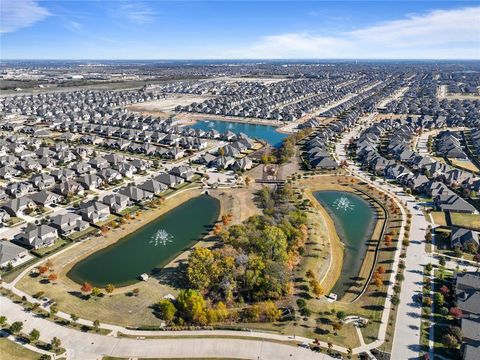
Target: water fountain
x,y
161,237
343,203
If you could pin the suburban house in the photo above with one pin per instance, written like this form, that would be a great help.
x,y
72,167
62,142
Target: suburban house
x,y
20,206
467,293
454,203
94,212
463,238
116,202
68,223
37,236
9,253
153,186
169,179
46,198
136,194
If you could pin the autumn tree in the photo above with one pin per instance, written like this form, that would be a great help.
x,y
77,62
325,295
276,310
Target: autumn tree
x,y
316,287
191,306
167,310
86,287
42,269
109,288
52,277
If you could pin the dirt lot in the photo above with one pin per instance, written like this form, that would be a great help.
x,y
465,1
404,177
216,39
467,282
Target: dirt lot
x,y
165,106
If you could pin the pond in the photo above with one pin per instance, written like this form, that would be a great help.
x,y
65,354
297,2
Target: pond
x,y
254,131
354,220
150,247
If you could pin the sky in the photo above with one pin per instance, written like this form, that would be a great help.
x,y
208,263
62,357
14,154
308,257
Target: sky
x,y
154,29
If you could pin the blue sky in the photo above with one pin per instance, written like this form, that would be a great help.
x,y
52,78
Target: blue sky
x,y
111,29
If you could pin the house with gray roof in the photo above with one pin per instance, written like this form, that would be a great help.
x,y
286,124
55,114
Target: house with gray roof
x,y
94,212
463,238
153,186
116,202
9,253
454,203
136,194
19,206
37,236
68,223
169,179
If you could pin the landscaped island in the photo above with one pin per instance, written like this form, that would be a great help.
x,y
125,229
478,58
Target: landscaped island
x,y
152,246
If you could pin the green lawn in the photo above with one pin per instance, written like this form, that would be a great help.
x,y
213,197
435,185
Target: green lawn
x,y
83,234
470,221
59,243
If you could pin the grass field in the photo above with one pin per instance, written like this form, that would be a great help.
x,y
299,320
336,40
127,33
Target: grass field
x,y
439,218
470,221
10,350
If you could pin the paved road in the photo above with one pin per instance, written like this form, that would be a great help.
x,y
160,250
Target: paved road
x,y
407,327
85,346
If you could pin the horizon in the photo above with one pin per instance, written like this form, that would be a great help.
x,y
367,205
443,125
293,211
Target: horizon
x,y
229,30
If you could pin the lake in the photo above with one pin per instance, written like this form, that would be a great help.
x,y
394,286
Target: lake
x,y
254,131
150,247
354,220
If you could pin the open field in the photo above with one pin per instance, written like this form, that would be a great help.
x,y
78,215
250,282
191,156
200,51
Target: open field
x,y
168,104
13,351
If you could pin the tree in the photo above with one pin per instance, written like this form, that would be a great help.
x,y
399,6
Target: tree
x,y
86,287
330,346
438,298
74,318
136,292
52,277
16,327
429,237
56,343
341,315
388,240
337,326
456,312
3,320
316,287
202,268
442,261
191,306
428,267
349,352
378,282
53,310
109,288
34,335
217,229
395,300
167,310
310,274
450,341
248,180
96,324
96,292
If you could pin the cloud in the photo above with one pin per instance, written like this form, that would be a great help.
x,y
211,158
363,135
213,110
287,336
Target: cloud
x,y
137,12
18,14
436,34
